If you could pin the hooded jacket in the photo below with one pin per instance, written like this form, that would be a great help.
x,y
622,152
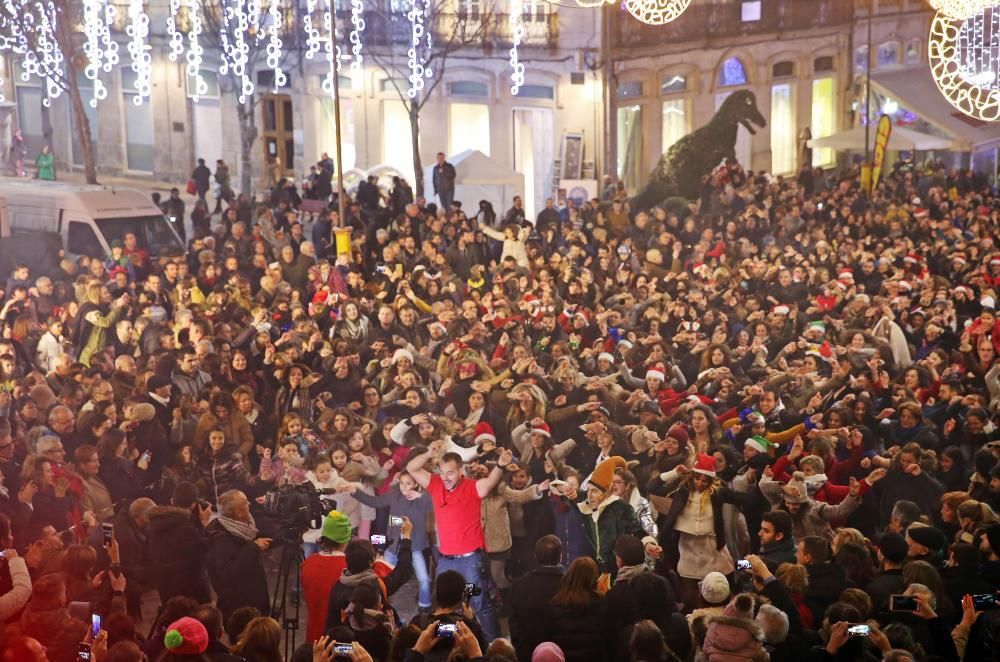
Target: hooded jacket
x,y
177,548
613,518
340,594
733,639
236,570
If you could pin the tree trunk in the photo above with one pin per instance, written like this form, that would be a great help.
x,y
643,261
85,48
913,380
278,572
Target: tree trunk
x,y
418,168
248,136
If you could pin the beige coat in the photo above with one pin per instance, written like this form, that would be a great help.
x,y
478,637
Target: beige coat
x,y
498,509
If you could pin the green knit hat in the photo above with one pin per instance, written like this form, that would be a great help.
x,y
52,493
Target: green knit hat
x,y
336,527
760,444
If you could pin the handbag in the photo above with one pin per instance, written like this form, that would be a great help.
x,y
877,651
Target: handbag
x,y
191,189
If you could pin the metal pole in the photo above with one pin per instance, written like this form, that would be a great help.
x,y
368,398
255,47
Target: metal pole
x,y
336,116
868,82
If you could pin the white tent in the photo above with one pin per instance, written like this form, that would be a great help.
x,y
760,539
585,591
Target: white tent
x,y
478,177
901,138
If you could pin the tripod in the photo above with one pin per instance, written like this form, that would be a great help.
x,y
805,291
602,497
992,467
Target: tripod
x,y
288,578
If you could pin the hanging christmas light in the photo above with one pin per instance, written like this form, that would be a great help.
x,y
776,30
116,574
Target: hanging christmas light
x,y
656,12
420,44
275,45
357,27
139,50
50,64
961,9
235,49
195,52
964,56
175,38
332,52
313,43
516,20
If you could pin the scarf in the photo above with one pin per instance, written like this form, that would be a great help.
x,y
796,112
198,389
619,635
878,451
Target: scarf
x,y
627,572
814,482
243,531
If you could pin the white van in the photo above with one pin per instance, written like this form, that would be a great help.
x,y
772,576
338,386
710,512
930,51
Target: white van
x,y
86,218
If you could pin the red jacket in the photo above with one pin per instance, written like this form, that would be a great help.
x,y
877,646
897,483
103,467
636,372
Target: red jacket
x,y
319,573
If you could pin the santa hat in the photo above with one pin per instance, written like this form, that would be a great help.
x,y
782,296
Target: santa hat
x,y
905,285
606,356
704,464
760,444
995,261
964,289
817,325
988,302
960,258
920,212
483,432
781,310
542,429
846,274
911,258
656,373
402,354
605,472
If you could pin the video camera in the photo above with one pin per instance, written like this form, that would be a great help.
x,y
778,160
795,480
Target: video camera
x,y
297,507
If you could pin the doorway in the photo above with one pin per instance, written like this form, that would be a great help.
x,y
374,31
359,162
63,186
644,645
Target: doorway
x,y
534,151
278,133
206,118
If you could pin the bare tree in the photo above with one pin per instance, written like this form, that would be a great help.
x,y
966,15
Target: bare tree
x,y
450,32
37,32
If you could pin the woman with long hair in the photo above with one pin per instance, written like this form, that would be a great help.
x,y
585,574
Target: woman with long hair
x,y
577,620
260,641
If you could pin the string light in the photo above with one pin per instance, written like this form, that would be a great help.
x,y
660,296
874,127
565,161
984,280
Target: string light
x,y
139,51
274,45
313,43
235,49
516,19
964,56
175,38
195,52
328,48
420,39
961,9
357,27
656,12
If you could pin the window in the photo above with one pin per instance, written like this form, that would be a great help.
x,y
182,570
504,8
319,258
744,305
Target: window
x,y
468,127
673,83
783,69
471,8
397,143
732,73
630,145
86,92
7,84
81,240
751,10
783,136
140,151
912,55
824,108
153,233
630,89
386,85
468,88
861,58
824,63
887,55
535,10
537,92
29,115
676,121
210,78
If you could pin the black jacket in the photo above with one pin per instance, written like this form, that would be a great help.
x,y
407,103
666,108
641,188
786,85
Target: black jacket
x,y
582,634
528,600
236,570
177,549
826,581
889,582
133,550
776,553
340,594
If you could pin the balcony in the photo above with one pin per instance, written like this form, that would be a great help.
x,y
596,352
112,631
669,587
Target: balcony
x,y
718,22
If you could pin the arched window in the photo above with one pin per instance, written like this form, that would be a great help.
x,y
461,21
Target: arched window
x,y
784,69
887,55
732,73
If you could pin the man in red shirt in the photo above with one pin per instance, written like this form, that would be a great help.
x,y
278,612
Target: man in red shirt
x,y
456,502
322,570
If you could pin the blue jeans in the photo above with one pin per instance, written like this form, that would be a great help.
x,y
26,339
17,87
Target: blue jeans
x,y
475,570
420,570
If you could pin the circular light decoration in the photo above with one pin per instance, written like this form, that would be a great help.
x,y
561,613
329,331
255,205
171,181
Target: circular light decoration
x,y
656,12
964,56
961,8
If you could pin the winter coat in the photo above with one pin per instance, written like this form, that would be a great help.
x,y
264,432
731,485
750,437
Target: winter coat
x,y
236,429
236,569
494,516
614,518
814,517
826,582
776,553
582,634
733,640
190,384
177,548
223,471
528,600
340,594
120,477
889,582
570,529
897,485
55,629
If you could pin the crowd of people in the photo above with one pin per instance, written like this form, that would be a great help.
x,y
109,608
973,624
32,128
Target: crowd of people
x,y
761,426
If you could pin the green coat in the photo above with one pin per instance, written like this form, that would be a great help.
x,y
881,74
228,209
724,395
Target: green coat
x,y
98,331
46,164
615,518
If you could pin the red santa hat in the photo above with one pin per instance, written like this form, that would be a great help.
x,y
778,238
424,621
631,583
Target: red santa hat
x,y
960,258
995,261
905,285
657,372
919,212
846,274
542,429
781,310
484,432
704,464
911,258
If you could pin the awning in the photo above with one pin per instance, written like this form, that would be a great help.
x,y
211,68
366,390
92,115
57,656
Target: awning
x,y
914,89
901,138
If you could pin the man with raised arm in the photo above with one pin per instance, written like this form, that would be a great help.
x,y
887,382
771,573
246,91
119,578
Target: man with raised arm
x,y
461,544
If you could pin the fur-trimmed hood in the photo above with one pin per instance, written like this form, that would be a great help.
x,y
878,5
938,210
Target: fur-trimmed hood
x,y
732,639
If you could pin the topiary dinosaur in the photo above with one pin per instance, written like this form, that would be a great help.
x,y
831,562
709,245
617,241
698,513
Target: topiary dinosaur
x,y
681,168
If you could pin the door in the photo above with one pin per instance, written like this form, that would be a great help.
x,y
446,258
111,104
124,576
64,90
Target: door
x,y
278,131
744,141
207,121
534,151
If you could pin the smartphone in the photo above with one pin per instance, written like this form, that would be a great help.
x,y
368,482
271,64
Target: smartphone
x,y
378,540
83,653
343,650
471,590
95,625
109,531
144,458
395,520
742,564
984,601
446,631
902,603
858,630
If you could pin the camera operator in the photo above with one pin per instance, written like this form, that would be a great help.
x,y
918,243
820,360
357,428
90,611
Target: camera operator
x,y
178,545
451,607
234,556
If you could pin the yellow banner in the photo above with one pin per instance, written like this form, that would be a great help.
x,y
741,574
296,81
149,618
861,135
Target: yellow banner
x,y
882,134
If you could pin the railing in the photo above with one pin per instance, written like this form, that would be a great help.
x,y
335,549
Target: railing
x,y
702,22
